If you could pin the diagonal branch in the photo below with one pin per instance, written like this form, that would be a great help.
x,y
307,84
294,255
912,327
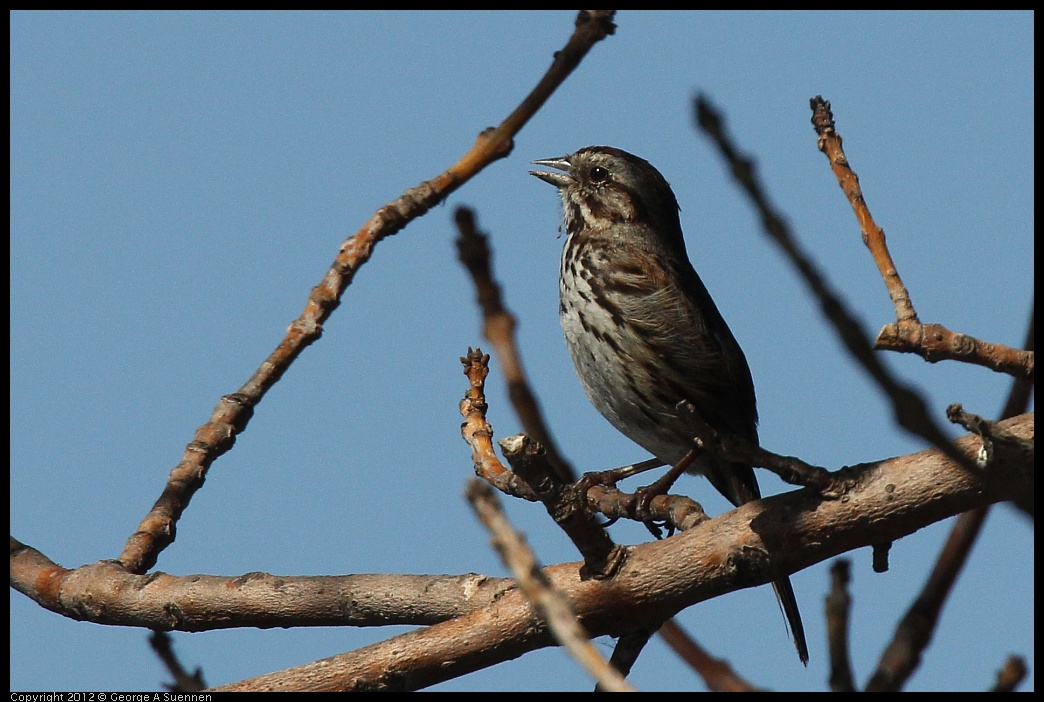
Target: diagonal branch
x,y
914,632
492,622
909,407
933,342
233,412
552,606
745,547
498,326
873,235
718,674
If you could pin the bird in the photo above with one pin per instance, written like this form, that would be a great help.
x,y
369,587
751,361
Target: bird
x,y
648,343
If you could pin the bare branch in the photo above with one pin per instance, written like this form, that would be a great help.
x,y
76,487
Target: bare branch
x,y
233,412
676,511
184,681
1013,673
105,593
748,546
479,434
567,507
1017,402
838,609
933,342
902,656
498,326
1022,388
563,503
745,547
735,448
718,674
537,481
873,235
989,432
909,407
551,605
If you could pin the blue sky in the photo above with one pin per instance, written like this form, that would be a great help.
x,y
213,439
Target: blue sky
x,y
180,181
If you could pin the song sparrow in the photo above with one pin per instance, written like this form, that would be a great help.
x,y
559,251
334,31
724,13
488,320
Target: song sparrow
x,y
641,327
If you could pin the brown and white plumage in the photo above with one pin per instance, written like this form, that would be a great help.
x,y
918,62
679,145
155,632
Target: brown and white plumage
x,y
643,331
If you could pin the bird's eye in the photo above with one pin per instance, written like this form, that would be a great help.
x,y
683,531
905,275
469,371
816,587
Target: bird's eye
x,y
599,174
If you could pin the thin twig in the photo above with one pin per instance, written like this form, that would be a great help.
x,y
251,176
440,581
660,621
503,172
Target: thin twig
x,y
533,477
1013,673
838,609
161,643
716,673
873,235
913,634
498,326
790,469
933,342
479,434
552,606
910,409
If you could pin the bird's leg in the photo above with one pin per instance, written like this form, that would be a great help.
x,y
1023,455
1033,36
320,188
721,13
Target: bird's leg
x,y
646,494
609,478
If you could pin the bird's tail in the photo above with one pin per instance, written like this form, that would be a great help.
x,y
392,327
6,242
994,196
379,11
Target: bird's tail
x,y
740,486
788,603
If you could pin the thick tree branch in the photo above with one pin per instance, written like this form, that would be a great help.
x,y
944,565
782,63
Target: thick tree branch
x,y
745,547
742,548
106,593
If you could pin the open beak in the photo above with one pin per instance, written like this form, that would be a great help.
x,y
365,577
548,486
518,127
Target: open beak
x,y
559,180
